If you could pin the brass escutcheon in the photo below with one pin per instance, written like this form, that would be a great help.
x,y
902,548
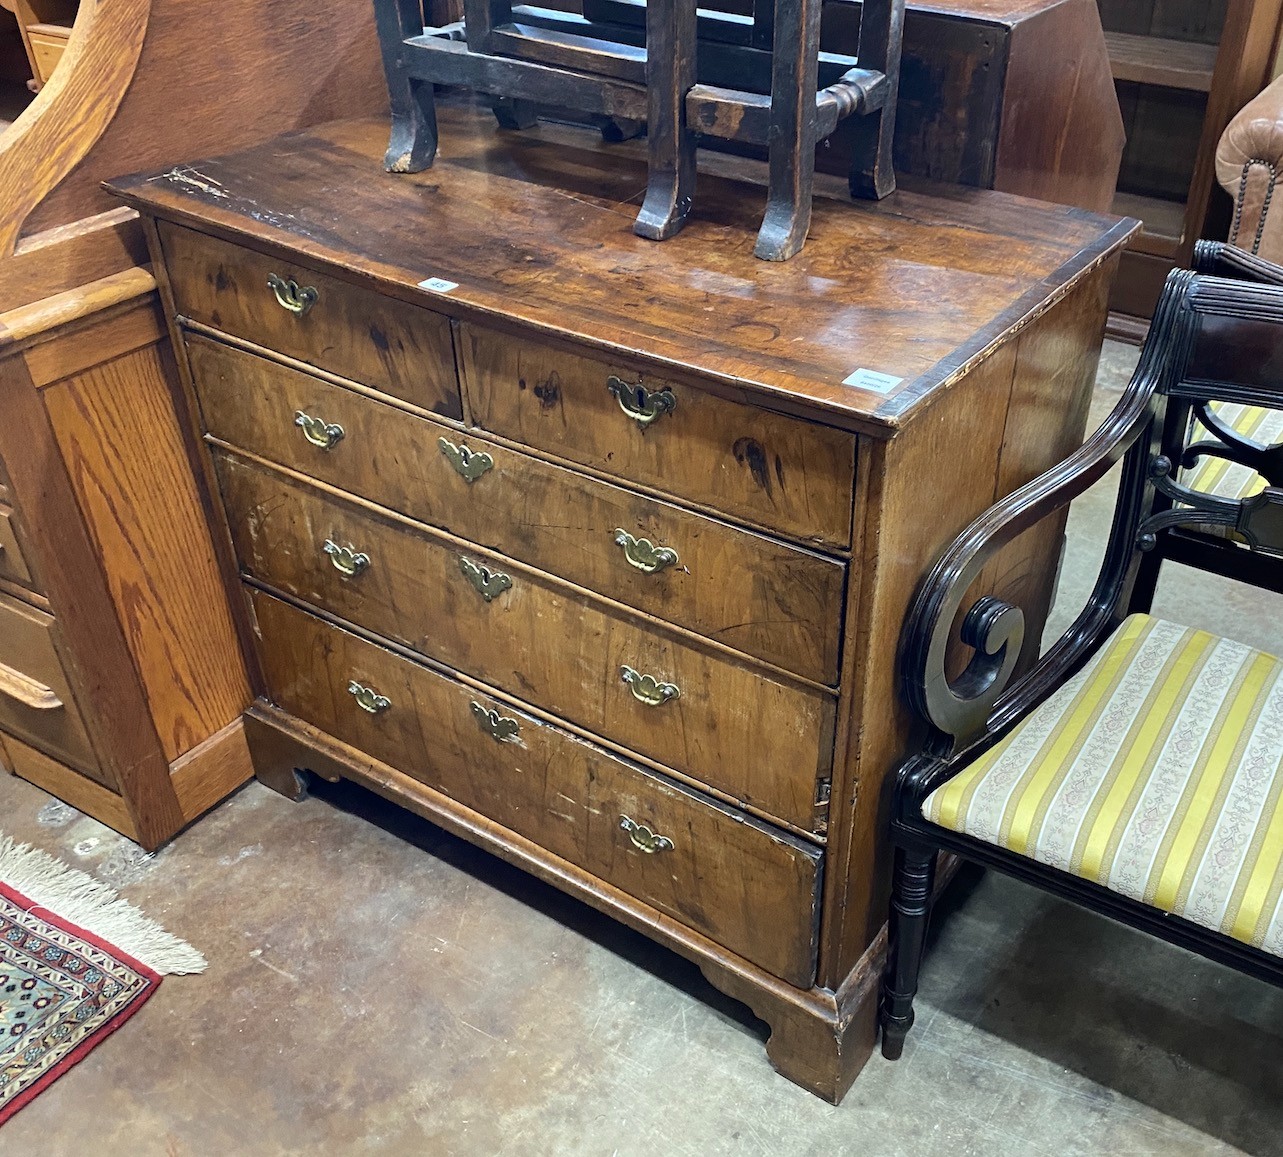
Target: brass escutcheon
x,y
642,837
486,582
345,559
647,689
367,699
500,728
644,554
289,296
470,464
639,403
319,432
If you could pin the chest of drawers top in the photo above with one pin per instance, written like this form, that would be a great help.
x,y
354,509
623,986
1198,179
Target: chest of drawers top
x,y
533,231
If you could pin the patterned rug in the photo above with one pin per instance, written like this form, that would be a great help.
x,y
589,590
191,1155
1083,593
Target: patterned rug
x,y
64,986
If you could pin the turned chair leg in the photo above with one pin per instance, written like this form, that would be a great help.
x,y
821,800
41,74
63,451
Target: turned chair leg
x,y
792,150
670,75
911,888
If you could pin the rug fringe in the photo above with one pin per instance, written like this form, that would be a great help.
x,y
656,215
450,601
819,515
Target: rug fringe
x,y
96,907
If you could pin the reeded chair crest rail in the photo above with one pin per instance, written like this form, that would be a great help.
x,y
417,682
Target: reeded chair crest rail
x,y
1213,340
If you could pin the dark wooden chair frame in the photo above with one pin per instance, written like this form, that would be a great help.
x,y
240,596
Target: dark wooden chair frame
x,y
681,75
1187,545
1185,362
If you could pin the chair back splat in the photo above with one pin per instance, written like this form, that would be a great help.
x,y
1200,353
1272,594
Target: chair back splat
x,y
659,66
1137,766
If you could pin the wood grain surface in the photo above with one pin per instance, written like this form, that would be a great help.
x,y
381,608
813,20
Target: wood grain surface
x,y
757,594
747,886
761,737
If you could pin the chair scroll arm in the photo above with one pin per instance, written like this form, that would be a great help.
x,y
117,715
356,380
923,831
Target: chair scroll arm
x,y
1225,260
978,702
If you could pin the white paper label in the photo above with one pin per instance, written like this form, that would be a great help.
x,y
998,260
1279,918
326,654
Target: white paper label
x,y
872,380
439,284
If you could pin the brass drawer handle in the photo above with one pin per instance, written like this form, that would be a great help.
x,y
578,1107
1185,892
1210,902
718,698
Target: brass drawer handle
x,y
367,699
642,837
320,433
647,689
290,297
486,582
639,403
500,728
347,561
470,464
25,690
644,554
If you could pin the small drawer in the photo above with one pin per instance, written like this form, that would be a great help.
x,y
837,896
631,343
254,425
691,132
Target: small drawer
x,y
775,601
750,888
386,344
36,703
760,738
781,473
13,566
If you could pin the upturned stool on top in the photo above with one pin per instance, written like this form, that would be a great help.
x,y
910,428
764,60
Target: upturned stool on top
x,y
531,58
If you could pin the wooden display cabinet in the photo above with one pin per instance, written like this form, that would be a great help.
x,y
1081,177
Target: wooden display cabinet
x,y
1182,69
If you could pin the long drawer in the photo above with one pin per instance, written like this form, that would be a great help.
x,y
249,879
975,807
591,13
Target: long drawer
x,y
390,345
750,888
779,602
778,472
36,703
760,738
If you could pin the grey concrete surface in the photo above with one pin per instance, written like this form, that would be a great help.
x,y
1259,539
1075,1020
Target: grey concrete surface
x,y
378,987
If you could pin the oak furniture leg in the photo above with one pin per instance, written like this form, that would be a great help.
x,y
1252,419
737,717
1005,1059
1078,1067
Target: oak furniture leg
x,y
413,142
670,75
912,885
514,114
881,35
793,130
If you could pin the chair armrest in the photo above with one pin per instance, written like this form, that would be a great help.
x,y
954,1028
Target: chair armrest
x,y
965,711
1248,159
1225,260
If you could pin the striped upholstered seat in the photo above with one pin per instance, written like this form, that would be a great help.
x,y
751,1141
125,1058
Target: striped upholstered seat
x,y
1217,476
1156,772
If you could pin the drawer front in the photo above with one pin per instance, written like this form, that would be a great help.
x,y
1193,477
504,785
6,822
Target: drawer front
x,y
12,564
751,889
383,343
36,703
778,602
781,473
732,725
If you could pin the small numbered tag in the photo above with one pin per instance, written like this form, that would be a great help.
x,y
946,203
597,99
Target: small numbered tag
x,y
438,284
872,380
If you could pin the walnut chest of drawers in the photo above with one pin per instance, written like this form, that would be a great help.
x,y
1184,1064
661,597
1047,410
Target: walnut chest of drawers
x,y
595,551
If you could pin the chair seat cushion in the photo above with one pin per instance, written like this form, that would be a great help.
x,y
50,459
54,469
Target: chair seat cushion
x,y
1227,479
1156,772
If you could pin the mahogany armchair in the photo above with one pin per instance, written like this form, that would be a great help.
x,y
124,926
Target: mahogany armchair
x,y
1137,767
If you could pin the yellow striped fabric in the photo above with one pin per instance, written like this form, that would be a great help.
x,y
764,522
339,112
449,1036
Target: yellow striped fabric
x,y
1216,475
1156,772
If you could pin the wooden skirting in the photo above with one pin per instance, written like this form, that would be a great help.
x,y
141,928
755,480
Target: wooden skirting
x,y
212,770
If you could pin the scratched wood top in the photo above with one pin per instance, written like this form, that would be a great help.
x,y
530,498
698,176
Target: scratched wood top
x,y
535,228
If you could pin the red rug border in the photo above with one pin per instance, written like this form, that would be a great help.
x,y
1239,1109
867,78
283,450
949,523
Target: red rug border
x,y
86,1046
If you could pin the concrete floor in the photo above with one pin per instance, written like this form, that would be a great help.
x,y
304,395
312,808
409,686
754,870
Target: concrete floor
x,y
376,986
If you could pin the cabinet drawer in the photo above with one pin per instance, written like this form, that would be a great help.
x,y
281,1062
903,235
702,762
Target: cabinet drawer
x,y
36,703
12,564
750,888
781,473
735,726
778,602
383,343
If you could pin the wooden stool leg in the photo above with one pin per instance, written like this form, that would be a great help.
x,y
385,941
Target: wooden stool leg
x,y
792,156
670,75
413,143
915,871
881,32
